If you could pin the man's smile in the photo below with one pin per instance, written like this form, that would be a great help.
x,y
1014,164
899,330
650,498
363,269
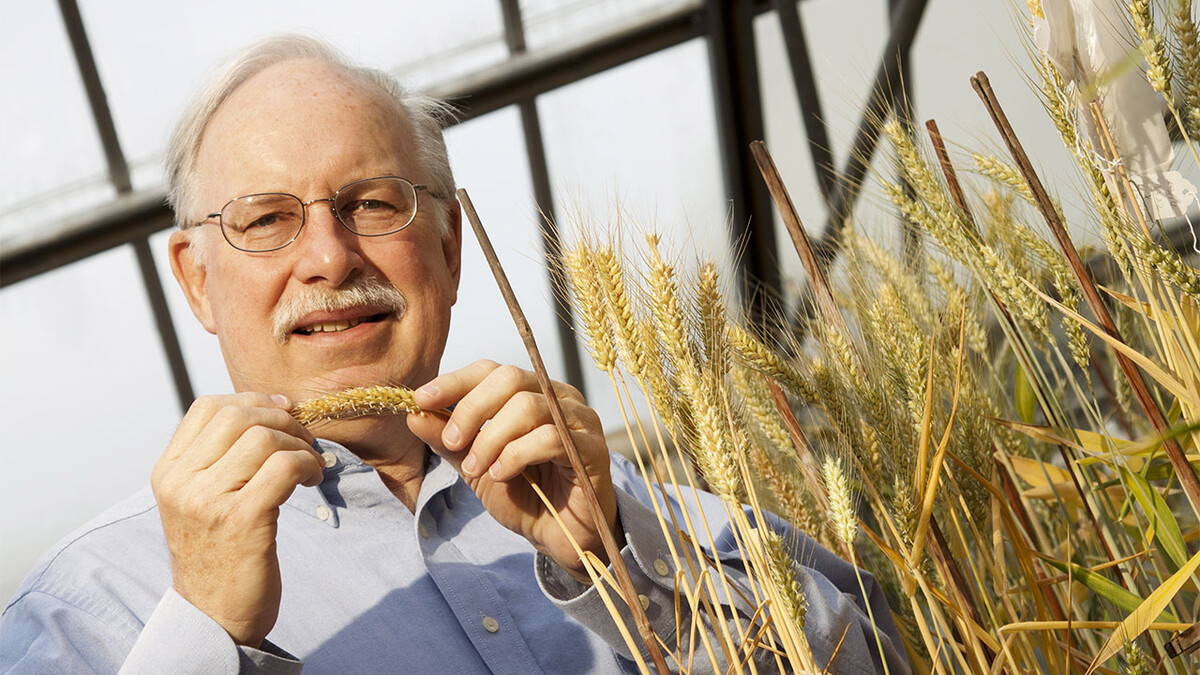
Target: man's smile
x,y
338,325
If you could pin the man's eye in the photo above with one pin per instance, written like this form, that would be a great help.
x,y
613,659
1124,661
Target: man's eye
x,y
364,205
264,221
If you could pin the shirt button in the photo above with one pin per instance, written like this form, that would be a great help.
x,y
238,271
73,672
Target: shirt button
x,y
323,513
661,567
330,459
645,602
421,529
490,625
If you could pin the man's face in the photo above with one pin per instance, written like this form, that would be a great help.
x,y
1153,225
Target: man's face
x,y
307,129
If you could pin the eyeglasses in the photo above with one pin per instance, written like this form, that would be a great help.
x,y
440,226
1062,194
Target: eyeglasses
x,y
268,221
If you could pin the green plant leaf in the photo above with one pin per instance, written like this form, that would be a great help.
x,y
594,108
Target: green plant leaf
x,y
1140,619
1104,587
1166,528
1023,396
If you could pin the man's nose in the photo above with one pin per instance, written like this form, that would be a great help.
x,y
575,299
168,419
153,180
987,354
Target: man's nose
x,y
328,251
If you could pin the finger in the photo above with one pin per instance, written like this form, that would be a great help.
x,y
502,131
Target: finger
x,y
539,446
526,419
202,410
429,429
229,424
482,403
519,415
247,455
278,477
446,389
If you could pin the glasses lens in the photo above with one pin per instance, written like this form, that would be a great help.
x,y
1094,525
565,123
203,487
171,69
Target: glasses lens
x,y
262,222
377,205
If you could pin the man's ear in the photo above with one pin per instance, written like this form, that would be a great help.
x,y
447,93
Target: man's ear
x,y
191,274
452,245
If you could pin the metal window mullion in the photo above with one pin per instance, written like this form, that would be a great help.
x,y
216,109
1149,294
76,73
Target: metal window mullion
x,y
539,172
902,105
734,69
906,18
118,171
815,129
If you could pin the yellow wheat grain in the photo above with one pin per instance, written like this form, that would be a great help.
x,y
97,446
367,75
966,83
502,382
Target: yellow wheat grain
x,y
610,274
356,402
897,275
580,269
1154,47
710,311
841,503
1187,58
783,573
1167,264
943,215
1136,661
670,327
993,167
751,351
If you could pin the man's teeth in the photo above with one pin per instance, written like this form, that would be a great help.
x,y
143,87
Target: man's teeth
x,y
330,326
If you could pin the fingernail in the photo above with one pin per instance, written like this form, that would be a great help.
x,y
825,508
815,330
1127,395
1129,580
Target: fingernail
x,y
451,435
468,464
495,470
429,390
281,400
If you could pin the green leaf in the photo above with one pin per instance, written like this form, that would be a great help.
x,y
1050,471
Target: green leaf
x,y
1024,398
1140,619
1104,587
1166,528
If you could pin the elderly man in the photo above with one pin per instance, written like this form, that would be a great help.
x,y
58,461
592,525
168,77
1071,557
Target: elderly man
x,y
320,242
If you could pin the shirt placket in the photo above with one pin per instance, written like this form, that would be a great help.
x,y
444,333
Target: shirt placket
x,y
478,606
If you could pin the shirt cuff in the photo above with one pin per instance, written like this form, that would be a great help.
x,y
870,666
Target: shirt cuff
x,y
651,567
179,638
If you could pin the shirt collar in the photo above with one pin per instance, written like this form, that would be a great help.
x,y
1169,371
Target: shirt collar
x,y
440,476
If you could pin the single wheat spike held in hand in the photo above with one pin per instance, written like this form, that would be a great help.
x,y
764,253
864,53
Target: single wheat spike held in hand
x,y
356,402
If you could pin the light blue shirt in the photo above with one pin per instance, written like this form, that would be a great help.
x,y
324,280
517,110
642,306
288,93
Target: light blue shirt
x,y
369,586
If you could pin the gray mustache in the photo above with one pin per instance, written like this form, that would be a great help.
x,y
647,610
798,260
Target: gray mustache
x,y
365,291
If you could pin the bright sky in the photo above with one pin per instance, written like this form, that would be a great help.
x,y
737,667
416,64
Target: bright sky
x,y
87,405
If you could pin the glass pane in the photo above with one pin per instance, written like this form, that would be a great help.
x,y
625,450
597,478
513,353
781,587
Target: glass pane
x,y
844,70
201,351
488,155
420,41
46,126
87,405
639,141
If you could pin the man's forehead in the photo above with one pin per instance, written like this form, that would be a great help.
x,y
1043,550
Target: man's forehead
x,y
307,86
293,113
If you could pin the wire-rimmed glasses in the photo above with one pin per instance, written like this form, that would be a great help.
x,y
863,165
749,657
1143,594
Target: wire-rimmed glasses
x,y
268,221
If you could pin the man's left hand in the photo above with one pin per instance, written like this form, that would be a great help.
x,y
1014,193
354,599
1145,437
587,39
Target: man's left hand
x,y
500,429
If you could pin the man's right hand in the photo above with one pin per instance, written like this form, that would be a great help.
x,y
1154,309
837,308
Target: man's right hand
x,y
233,461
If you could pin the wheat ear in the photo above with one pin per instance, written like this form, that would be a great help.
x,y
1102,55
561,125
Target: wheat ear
x,y
356,402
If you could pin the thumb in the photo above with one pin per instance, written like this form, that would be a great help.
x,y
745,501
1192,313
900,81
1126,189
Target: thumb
x,y
428,427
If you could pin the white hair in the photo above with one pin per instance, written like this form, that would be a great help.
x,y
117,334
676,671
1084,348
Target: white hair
x,y
426,114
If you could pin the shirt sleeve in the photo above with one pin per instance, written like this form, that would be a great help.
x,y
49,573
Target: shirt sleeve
x,y
43,633
833,608
178,638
